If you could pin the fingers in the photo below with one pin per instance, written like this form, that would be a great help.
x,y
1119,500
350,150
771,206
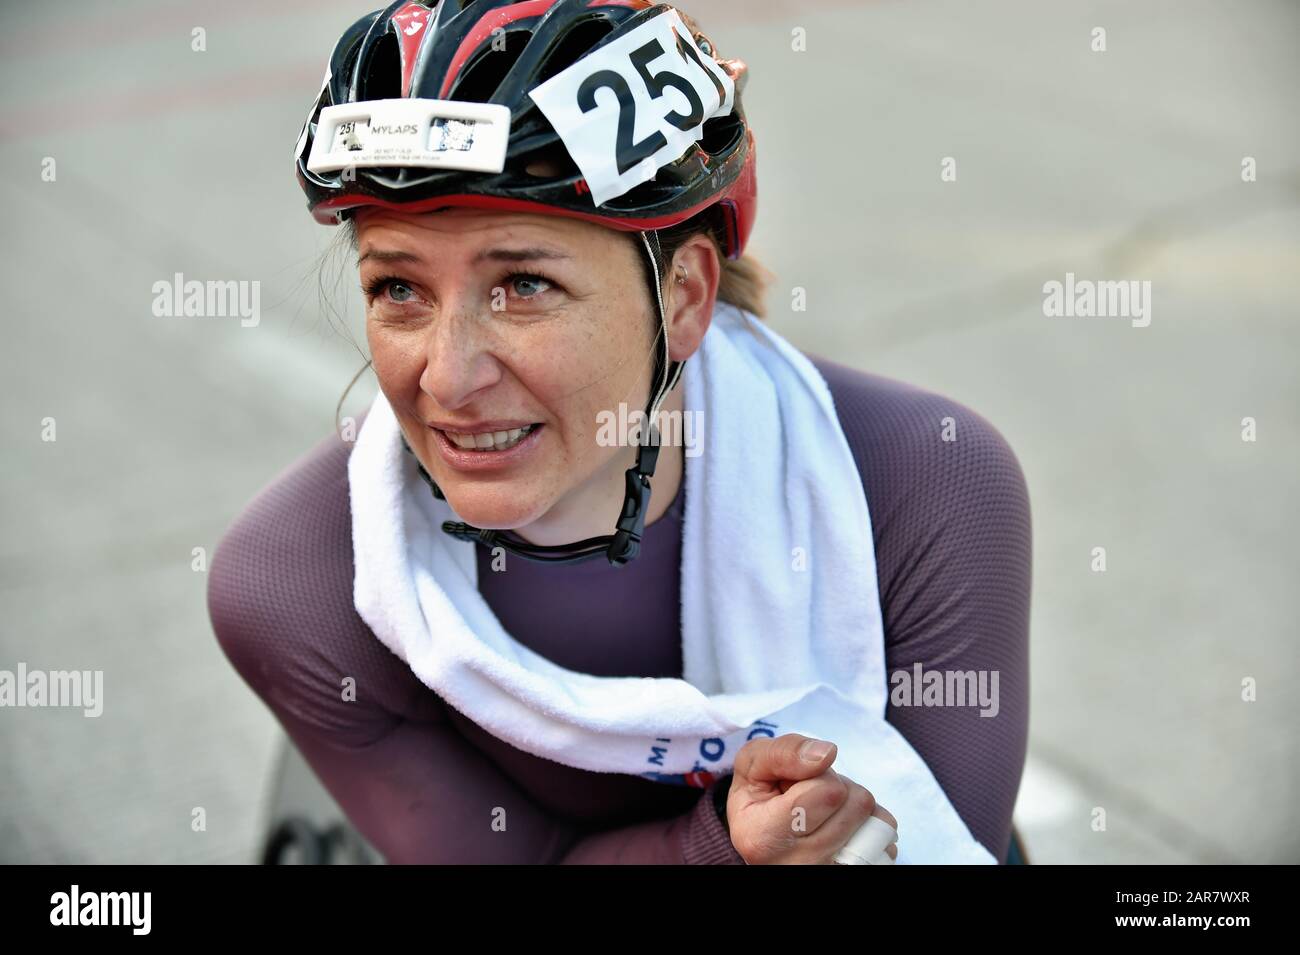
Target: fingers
x,y
827,813
787,757
843,818
856,808
827,794
814,801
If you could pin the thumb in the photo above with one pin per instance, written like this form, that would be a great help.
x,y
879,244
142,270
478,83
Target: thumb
x,y
792,756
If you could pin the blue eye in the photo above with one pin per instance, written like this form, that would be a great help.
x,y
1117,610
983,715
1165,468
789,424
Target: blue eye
x,y
392,289
528,285
399,292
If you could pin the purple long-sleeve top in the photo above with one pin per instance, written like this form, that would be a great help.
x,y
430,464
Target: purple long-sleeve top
x,y
423,783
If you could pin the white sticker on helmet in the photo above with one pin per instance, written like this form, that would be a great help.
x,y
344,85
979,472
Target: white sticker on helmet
x,y
434,133
635,104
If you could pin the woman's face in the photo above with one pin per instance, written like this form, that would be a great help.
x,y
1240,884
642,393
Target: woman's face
x,y
507,334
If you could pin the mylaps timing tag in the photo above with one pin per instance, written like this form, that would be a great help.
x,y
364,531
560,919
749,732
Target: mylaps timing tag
x,y
442,134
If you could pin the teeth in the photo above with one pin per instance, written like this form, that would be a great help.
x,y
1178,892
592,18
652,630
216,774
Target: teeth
x,y
489,440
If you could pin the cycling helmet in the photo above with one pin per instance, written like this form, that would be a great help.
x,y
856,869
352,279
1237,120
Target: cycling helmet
x,y
559,107
495,52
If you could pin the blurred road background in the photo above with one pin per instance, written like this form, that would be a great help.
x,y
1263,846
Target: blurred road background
x,y
1123,164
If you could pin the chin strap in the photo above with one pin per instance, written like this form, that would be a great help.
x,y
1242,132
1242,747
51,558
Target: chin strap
x,y
624,544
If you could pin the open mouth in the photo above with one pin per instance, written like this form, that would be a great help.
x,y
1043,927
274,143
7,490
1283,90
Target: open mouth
x,y
489,442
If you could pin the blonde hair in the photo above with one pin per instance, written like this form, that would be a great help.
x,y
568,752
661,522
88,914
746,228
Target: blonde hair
x,y
743,282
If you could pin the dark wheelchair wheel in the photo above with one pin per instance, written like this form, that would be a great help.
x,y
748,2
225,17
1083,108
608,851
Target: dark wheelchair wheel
x,y
1016,850
305,825
296,835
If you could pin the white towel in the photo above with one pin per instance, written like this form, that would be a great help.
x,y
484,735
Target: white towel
x,y
781,626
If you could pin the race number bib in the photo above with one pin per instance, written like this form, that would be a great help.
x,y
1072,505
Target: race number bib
x,y
635,104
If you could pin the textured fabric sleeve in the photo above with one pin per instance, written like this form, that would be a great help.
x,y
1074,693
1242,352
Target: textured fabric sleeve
x,y
280,601
951,525
696,838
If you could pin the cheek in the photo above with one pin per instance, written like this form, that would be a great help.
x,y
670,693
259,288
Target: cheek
x,y
396,360
555,368
601,367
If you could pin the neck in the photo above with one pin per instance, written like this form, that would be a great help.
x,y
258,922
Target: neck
x,y
591,509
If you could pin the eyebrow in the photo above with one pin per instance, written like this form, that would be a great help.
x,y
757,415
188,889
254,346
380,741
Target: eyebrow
x,y
519,255
494,255
387,255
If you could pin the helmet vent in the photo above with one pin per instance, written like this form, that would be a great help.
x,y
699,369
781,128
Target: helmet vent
x,y
551,162
721,134
576,43
381,76
481,76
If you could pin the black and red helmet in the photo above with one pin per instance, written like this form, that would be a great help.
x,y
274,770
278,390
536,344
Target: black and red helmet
x,y
498,52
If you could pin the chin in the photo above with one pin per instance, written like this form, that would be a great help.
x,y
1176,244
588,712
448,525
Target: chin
x,y
492,508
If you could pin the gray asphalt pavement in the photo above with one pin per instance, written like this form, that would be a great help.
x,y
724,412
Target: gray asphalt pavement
x,y
1114,166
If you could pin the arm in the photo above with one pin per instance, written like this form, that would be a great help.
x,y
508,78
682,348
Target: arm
x,y
699,837
953,555
951,526
401,771
421,793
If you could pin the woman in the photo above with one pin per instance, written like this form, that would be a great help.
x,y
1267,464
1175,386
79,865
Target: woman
x,y
519,288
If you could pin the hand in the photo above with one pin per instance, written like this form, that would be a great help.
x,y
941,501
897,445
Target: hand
x,y
771,782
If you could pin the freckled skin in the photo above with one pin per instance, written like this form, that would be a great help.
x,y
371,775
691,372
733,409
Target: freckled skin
x,y
560,352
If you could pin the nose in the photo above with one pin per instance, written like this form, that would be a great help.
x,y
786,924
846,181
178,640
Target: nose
x,y
459,358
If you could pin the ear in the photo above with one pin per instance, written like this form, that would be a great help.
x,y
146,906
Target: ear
x,y
688,304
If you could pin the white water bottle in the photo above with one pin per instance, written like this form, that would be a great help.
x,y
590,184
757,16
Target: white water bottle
x,y
867,846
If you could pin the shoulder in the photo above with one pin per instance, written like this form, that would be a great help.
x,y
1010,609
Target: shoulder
x,y
900,433
941,481
289,551
280,595
919,425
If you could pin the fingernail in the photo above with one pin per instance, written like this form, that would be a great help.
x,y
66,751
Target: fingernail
x,y
814,750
